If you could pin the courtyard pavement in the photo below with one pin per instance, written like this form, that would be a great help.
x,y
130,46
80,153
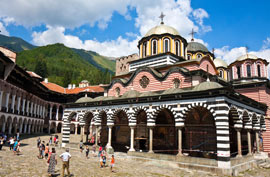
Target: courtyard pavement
x,y
27,164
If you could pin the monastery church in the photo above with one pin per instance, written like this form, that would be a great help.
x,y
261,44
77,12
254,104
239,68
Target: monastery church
x,y
176,100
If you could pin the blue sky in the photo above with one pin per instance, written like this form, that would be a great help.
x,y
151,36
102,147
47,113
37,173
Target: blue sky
x,y
112,28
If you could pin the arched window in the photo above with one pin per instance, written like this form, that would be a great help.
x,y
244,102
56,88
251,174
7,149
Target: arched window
x,y
117,90
259,70
144,49
176,83
166,45
238,72
248,71
177,48
199,56
189,57
154,47
221,73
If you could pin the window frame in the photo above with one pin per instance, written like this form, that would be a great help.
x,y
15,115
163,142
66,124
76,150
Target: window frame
x,y
164,45
156,48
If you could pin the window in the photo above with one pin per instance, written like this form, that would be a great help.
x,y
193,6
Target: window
x,y
259,70
199,56
117,90
144,49
176,83
144,81
221,73
248,71
189,57
166,45
238,72
177,48
154,47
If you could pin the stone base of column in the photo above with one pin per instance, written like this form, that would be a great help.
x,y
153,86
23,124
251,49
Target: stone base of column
x,y
179,154
239,156
131,150
150,152
109,149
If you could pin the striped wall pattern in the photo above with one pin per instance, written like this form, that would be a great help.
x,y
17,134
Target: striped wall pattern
x,y
243,116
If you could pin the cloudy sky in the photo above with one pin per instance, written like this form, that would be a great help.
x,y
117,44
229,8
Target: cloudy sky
x,y
113,27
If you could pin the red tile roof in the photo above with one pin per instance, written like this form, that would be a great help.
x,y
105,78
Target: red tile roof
x,y
58,88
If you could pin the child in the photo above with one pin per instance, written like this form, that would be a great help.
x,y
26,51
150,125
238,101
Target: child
x,y
104,160
81,146
47,151
87,151
112,163
101,161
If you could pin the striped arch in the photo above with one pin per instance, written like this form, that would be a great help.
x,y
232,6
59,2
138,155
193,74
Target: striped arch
x,y
160,108
237,117
116,111
262,123
98,116
255,122
182,115
82,119
68,116
247,123
136,111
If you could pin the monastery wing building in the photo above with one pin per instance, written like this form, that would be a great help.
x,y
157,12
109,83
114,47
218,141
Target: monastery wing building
x,y
176,101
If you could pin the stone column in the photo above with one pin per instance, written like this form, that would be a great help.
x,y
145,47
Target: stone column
x,y
7,100
49,128
257,141
151,140
132,138
15,128
35,109
249,142
76,129
31,109
29,128
27,107
55,129
10,128
82,132
1,98
21,127
50,113
96,141
19,105
180,141
57,112
25,128
4,127
109,145
13,103
239,146
23,106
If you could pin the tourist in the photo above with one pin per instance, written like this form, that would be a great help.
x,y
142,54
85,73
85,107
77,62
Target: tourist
x,y
18,135
54,140
52,162
5,139
81,146
65,159
87,151
101,161
38,142
104,160
99,151
50,141
15,147
1,142
46,151
43,148
18,147
11,143
94,150
112,163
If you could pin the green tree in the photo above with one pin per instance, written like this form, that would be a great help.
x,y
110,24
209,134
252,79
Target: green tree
x,y
41,68
67,78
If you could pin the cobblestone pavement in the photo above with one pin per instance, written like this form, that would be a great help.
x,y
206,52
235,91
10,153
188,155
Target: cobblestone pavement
x,y
27,164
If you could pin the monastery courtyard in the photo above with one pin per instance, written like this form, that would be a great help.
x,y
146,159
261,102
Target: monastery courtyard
x,y
27,164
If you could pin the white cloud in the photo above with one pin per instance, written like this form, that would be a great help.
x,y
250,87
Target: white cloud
x,y
266,43
199,15
112,48
3,30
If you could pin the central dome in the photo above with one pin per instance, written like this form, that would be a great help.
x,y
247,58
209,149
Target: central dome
x,y
195,46
162,29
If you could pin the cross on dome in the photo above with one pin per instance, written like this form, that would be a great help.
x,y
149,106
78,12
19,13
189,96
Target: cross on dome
x,y
162,17
192,34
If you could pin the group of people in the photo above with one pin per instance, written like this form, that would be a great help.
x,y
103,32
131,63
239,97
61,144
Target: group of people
x,y
102,154
50,156
13,142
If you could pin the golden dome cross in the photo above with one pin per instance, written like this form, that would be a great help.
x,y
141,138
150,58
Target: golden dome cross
x,y
192,34
162,17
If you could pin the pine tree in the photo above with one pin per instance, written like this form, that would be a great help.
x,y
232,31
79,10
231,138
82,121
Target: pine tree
x,y
41,68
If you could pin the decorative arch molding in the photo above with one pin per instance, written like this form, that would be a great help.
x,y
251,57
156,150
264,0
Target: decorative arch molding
x,y
185,111
82,119
133,112
116,111
160,108
262,123
255,122
247,123
237,116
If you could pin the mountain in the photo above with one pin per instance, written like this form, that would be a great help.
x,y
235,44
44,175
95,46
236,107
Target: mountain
x,y
29,56
62,65
14,43
97,60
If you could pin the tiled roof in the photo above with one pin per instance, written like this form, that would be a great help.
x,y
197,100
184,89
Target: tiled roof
x,y
58,88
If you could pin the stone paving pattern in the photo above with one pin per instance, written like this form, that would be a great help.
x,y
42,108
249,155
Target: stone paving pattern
x,y
27,164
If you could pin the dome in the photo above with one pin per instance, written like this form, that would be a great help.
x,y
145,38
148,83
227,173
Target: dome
x,y
207,86
162,29
83,100
247,56
195,46
220,63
